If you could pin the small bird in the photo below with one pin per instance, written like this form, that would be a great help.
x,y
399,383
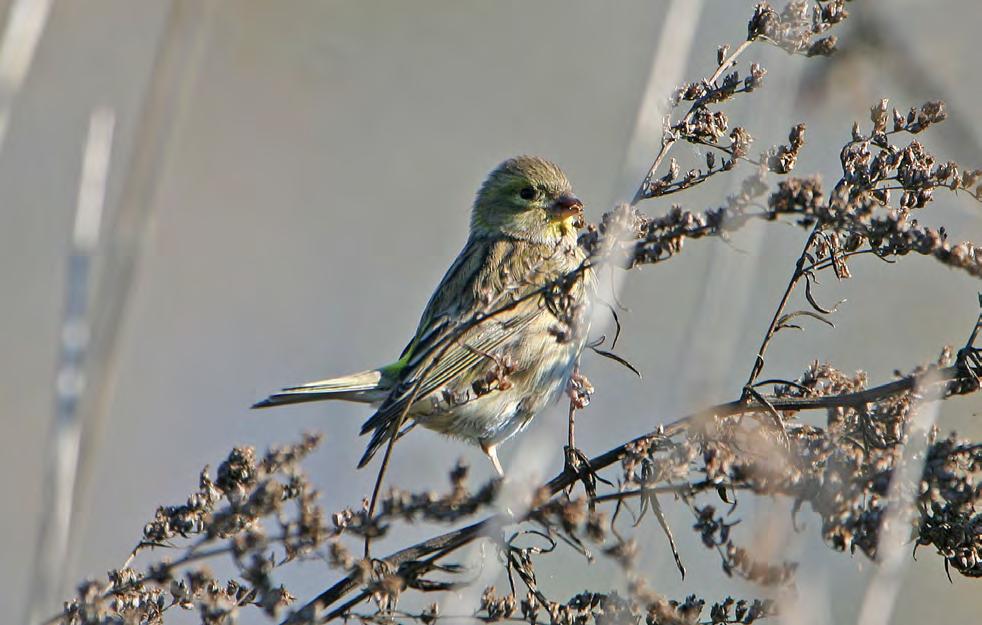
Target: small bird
x,y
498,340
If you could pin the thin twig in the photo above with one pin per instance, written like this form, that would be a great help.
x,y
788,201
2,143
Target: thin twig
x,y
670,139
772,329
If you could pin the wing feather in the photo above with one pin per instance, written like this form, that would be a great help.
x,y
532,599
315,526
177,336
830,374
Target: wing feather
x,y
451,360
451,339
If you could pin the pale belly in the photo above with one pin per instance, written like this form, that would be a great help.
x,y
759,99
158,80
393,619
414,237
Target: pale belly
x,y
497,415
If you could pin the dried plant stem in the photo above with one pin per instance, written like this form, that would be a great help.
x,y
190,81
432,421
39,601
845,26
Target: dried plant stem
x,y
670,139
190,557
880,598
571,438
799,272
394,434
447,543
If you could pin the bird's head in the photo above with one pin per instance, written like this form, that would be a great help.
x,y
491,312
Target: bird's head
x,y
527,198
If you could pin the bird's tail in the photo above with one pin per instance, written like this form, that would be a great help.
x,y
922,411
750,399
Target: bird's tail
x,y
367,387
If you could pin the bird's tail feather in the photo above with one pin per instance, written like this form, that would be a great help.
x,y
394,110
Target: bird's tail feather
x,y
368,387
379,437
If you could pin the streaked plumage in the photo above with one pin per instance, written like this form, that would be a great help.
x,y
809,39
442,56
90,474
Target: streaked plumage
x,y
491,350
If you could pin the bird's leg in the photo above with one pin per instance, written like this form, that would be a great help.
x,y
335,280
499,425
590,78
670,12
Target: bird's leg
x,y
572,424
573,460
491,449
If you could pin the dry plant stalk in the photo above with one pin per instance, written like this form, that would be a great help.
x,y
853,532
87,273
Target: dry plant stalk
x,y
262,514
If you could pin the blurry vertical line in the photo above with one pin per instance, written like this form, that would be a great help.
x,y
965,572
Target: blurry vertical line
x,y
66,429
668,65
895,526
166,97
707,357
95,172
720,356
25,24
668,68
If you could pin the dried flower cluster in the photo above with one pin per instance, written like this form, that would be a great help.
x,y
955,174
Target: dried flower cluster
x,y
237,509
842,463
796,28
857,217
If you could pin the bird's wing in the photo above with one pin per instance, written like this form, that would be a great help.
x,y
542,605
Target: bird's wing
x,y
460,327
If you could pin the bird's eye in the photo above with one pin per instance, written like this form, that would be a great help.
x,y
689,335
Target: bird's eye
x,y
528,193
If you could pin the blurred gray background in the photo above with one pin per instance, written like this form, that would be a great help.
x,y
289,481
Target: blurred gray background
x,y
289,180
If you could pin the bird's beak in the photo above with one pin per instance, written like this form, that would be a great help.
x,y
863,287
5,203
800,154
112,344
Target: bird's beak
x,y
568,206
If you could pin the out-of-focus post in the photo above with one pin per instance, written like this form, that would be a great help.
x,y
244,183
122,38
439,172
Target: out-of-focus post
x,y
66,430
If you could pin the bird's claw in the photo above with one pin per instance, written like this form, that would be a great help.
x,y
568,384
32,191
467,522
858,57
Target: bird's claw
x,y
577,465
580,391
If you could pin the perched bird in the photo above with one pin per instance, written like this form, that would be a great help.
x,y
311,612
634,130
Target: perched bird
x,y
499,339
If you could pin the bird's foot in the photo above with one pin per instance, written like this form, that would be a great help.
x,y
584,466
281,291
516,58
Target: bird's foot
x,y
580,391
577,465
